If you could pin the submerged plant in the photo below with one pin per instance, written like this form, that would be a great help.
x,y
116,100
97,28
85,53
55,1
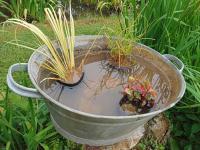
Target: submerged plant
x,y
60,62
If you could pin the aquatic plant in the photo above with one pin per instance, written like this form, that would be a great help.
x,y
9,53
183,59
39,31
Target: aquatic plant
x,y
139,96
60,62
125,36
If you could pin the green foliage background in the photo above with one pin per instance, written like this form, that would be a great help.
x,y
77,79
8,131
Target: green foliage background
x,y
167,26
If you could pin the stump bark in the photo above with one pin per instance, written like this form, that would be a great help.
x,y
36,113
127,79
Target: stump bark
x,y
156,129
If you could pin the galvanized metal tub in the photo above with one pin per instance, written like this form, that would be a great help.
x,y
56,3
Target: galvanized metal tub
x,y
91,129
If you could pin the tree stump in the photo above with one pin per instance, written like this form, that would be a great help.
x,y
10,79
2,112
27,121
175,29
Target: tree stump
x,y
156,129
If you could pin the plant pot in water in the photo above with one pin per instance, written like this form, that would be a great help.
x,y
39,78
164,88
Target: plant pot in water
x,y
89,113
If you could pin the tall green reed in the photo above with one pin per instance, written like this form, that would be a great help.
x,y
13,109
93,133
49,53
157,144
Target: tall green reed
x,y
29,9
174,27
25,123
167,26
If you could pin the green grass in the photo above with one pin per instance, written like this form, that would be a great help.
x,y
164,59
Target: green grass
x,y
174,27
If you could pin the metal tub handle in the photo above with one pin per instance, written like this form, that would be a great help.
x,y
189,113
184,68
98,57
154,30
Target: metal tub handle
x,y
175,61
17,88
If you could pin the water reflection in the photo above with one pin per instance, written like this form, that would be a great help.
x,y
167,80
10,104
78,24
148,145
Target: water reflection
x,y
100,90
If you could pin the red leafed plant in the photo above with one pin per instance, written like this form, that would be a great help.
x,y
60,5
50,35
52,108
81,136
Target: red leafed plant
x,y
138,96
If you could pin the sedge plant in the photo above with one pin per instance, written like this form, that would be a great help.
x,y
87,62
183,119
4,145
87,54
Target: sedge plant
x,y
61,63
121,47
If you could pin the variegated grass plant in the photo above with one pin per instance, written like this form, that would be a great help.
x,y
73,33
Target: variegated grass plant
x,y
61,62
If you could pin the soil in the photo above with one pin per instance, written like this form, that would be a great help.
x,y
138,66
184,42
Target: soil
x,y
75,80
135,105
124,62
